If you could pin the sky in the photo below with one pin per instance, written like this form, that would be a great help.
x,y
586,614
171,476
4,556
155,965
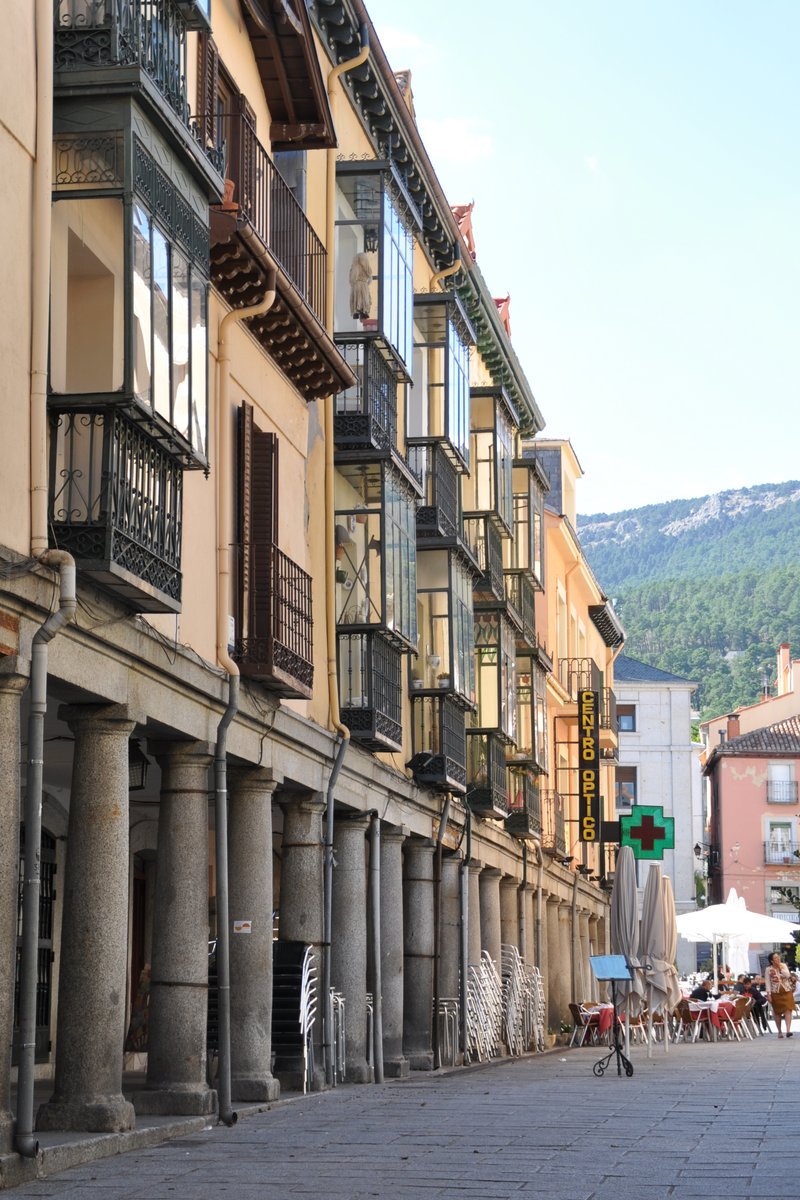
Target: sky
x,y
635,168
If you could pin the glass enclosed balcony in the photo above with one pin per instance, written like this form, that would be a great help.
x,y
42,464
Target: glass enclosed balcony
x,y
445,660
495,675
439,743
376,559
129,294
524,818
374,254
554,826
487,781
370,690
489,489
439,400
525,550
116,504
531,715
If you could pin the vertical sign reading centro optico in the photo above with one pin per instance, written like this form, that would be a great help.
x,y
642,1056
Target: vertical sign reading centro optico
x,y
589,766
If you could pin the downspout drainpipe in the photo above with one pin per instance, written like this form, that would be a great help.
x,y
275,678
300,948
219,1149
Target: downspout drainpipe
x,y
574,937
521,907
25,1142
453,269
41,200
437,924
465,931
375,913
343,740
224,537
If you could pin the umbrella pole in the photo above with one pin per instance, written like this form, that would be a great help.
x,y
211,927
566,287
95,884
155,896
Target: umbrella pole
x,y
716,968
650,1024
627,1034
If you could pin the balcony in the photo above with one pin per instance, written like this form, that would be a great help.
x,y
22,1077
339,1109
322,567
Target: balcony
x,y
439,512
554,837
365,415
487,546
274,630
487,784
105,48
261,226
530,743
608,710
116,504
524,818
781,853
781,791
439,743
578,674
370,690
521,600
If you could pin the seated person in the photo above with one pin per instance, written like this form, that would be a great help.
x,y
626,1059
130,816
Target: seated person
x,y
759,1005
741,984
703,991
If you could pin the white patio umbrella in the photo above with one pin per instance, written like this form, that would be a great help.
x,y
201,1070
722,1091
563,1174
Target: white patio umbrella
x,y
732,921
625,933
653,949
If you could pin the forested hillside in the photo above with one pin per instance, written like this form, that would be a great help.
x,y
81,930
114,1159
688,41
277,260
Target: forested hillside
x,y
705,588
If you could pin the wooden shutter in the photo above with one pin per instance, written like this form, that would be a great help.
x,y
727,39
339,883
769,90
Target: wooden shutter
x,y
256,526
208,89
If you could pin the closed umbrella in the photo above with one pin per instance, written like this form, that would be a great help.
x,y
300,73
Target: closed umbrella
x,y
625,932
653,948
670,920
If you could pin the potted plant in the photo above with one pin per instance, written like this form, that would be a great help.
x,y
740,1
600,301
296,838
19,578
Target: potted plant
x,y
443,679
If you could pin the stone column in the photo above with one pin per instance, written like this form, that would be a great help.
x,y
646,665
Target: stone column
x,y
490,913
349,940
94,934
509,911
302,894
13,681
176,1061
450,934
418,959
395,1064
542,961
555,965
565,955
527,918
474,923
250,900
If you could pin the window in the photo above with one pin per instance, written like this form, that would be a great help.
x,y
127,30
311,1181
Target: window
x,y
626,786
626,715
444,602
491,457
443,336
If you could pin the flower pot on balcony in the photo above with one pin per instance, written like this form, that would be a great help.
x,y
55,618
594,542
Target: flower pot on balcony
x,y
443,681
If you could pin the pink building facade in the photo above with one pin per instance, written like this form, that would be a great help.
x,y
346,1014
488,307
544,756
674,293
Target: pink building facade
x,y
753,831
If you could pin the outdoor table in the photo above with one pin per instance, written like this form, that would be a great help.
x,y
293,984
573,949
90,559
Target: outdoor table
x,y
715,1009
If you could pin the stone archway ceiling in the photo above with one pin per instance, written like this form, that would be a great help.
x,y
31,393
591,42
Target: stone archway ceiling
x,y
377,96
283,44
289,332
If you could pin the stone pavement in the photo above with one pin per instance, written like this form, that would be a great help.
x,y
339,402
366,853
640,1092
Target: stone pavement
x,y
698,1121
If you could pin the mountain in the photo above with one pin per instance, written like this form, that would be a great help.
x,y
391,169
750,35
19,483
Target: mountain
x,y
706,588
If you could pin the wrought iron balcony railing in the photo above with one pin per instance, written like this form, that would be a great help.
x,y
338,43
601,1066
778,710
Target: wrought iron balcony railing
x,y
782,791
438,515
146,34
522,599
577,674
608,710
482,536
439,742
554,836
116,503
263,199
276,645
524,818
366,413
370,690
487,784
781,853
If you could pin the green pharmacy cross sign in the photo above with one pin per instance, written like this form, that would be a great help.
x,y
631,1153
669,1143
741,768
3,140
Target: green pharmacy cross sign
x,y
647,831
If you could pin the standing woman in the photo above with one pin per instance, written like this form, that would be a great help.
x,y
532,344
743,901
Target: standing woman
x,y
780,992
